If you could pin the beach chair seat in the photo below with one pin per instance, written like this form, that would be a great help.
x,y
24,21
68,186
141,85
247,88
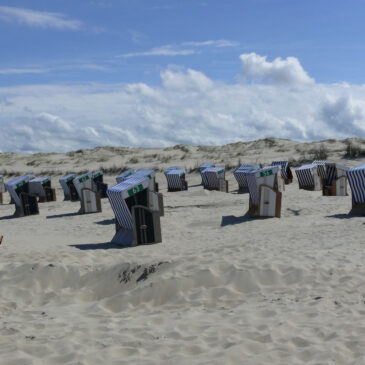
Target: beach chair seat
x,y
29,205
90,201
356,179
335,180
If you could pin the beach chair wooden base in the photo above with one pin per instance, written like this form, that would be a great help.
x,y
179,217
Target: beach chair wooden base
x,y
269,203
242,189
101,188
1,239
49,197
90,201
358,209
223,185
338,188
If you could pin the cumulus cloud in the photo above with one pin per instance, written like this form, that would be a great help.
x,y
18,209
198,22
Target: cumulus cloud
x,y
187,107
289,71
39,19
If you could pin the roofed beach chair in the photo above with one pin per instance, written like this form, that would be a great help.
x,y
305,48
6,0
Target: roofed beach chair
x,y
122,176
41,186
136,207
308,178
240,175
214,179
265,186
2,188
68,187
176,180
356,178
335,183
88,194
321,169
98,178
286,173
171,168
204,166
25,203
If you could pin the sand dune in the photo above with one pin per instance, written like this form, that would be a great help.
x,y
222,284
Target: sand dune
x,y
221,288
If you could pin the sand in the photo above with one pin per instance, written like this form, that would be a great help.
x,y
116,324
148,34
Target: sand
x,y
221,288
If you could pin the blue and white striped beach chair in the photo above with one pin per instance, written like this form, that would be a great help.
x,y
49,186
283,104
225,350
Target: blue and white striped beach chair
x,y
137,211
286,173
240,175
125,174
204,166
308,178
176,180
41,186
356,178
68,187
321,169
214,179
265,186
335,183
88,194
25,203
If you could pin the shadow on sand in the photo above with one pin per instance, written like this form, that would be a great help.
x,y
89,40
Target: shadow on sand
x,y
229,220
8,217
344,216
106,222
99,246
62,215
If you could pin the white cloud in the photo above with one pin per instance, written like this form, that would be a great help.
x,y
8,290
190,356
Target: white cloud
x,y
213,43
256,68
188,107
181,50
16,71
167,50
39,19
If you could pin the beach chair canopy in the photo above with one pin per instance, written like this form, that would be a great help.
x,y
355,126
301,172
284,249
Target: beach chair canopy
x,y
118,197
13,185
83,181
284,167
265,175
145,172
321,168
174,178
36,186
211,176
240,174
64,180
124,175
356,179
205,165
98,174
171,168
305,174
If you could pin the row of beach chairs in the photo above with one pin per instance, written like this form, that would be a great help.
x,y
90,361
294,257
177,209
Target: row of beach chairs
x,y
138,206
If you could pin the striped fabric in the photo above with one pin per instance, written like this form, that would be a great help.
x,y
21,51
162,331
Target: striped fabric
x,y
284,166
36,185
124,175
240,174
356,179
211,176
321,168
174,179
330,173
145,172
206,165
171,168
63,181
13,184
305,175
117,195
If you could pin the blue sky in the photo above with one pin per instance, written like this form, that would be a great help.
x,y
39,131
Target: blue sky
x,y
141,67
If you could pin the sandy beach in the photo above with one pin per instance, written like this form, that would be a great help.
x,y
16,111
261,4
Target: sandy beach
x,y
221,288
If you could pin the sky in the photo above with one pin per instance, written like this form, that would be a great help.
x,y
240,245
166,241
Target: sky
x,y
147,73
